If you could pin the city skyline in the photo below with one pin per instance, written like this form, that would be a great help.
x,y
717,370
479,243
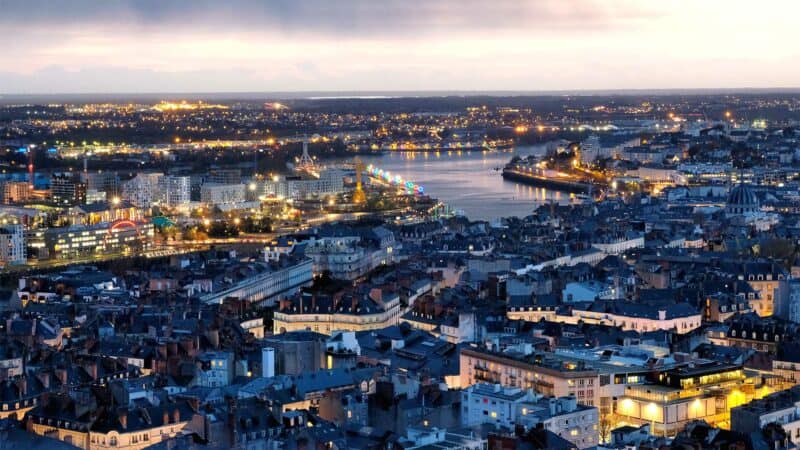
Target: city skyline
x,y
282,46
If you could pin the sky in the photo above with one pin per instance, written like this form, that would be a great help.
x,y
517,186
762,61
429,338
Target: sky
x,y
152,46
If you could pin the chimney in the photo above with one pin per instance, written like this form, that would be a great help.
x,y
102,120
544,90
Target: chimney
x,y
92,369
376,294
22,385
353,302
213,338
176,415
123,419
337,300
61,374
165,418
44,377
187,343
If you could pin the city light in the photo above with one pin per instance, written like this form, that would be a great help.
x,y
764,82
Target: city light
x,y
396,180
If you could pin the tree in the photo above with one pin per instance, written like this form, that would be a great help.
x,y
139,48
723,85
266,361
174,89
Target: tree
x,y
605,424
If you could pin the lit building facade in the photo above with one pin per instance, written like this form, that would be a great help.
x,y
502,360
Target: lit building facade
x,y
174,190
77,241
330,182
697,391
67,189
15,191
142,190
355,314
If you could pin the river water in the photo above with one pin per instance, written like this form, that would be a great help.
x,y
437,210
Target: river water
x,y
468,181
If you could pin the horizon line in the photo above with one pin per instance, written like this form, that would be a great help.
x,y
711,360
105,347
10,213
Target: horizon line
x,y
402,93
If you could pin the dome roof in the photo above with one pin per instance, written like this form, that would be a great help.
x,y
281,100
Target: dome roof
x,y
743,196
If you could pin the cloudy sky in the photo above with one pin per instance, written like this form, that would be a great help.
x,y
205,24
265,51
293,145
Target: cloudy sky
x,y
377,45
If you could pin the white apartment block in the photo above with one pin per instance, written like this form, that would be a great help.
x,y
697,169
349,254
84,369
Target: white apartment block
x,y
508,407
142,190
174,191
12,242
266,286
330,182
345,258
221,194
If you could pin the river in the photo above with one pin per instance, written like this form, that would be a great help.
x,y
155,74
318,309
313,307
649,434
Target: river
x,y
467,180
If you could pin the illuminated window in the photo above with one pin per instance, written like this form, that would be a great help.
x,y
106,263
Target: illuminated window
x,y
494,414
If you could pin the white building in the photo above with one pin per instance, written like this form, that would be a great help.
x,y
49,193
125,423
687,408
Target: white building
x,y
620,244
350,253
174,191
422,438
330,182
586,291
508,407
215,369
275,279
12,241
375,311
221,194
142,190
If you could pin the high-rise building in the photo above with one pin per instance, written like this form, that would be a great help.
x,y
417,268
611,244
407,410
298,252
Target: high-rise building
x,y
218,194
142,190
149,189
107,182
330,181
174,190
12,241
67,189
15,191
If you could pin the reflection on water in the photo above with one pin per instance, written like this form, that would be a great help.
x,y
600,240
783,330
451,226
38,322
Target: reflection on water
x,y
467,180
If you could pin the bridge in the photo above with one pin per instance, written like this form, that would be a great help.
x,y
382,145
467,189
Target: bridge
x,y
396,180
